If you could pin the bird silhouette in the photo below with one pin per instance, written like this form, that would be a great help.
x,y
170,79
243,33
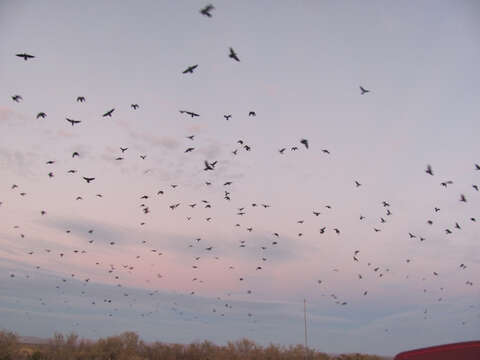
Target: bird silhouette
x,y
134,106
81,99
227,117
304,142
88,180
363,90
192,114
41,115
17,98
75,154
357,184
208,166
190,149
252,113
429,170
206,10
73,122
190,69
108,113
25,56
233,55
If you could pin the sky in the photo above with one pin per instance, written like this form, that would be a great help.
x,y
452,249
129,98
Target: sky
x,y
101,264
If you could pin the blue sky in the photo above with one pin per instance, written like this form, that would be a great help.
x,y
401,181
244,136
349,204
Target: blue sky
x,y
301,65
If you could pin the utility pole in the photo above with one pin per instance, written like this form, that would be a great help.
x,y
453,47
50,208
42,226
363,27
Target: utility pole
x,y
305,321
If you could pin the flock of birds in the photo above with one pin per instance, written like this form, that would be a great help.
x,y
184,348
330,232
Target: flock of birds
x,y
210,165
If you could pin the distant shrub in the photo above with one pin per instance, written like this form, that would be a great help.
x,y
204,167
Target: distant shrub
x,y
128,346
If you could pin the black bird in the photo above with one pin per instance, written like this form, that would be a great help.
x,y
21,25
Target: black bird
x,y
463,198
326,151
41,115
143,157
316,213
475,187
192,114
75,154
190,137
17,98
25,56
73,122
108,113
208,166
357,184
363,90
233,55
477,167
281,150
189,149
134,106
227,117
190,69
123,149
429,170
446,183
81,99
88,180
206,10
294,148
304,142
252,113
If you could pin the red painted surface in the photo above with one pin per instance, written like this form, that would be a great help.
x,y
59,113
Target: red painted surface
x,y
459,351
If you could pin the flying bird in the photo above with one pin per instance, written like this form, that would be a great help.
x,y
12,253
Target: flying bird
x,y
109,113
190,149
73,122
429,170
208,166
363,90
252,113
233,55
81,99
88,180
134,106
192,114
227,117
304,142
41,115
25,56
17,98
75,154
206,10
123,149
190,69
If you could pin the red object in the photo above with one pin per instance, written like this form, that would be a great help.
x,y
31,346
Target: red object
x,y
459,351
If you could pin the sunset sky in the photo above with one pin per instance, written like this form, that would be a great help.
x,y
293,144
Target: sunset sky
x,y
301,67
